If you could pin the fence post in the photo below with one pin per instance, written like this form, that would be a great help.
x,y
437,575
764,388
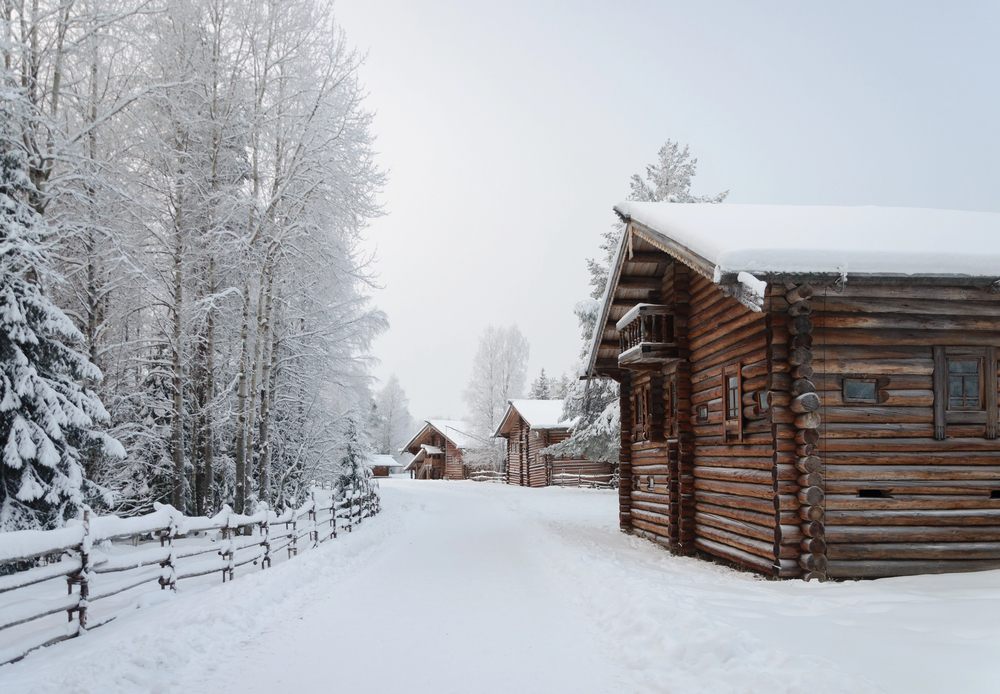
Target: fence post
x,y
83,577
265,531
333,512
350,509
315,522
293,546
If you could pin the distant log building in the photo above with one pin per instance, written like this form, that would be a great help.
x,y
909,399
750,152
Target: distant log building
x,y
384,465
437,450
531,425
808,391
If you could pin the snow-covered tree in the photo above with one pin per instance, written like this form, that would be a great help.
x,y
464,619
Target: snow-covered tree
x,y
541,387
669,180
499,370
390,419
354,465
561,387
48,420
593,405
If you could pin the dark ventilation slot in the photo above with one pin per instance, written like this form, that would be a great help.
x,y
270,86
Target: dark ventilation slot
x,y
874,493
995,493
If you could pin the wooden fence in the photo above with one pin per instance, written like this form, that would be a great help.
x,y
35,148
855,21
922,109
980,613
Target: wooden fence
x,y
486,476
184,550
570,479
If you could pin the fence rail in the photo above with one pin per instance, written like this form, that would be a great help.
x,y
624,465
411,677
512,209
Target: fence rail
x,y
570,479
77,553
486,476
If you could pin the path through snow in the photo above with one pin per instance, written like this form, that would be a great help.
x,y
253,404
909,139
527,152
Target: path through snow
x,y
464,587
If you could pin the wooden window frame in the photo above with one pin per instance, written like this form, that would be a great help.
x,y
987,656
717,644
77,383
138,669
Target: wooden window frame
x,y
980,382
987,413
859,401
732,426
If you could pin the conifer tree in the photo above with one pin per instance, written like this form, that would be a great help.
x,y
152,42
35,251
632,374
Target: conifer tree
x,y
47,418
354,465
541,388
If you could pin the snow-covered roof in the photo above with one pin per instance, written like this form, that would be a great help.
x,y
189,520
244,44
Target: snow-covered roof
x,y
416,460
385,460
879,241
452,429
748,243
539,414
431,450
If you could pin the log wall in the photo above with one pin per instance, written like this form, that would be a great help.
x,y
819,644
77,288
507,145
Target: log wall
x,y
910,487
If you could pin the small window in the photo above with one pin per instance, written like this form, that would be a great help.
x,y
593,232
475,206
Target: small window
x,y
995,493
965,384
702,414
649,483
732,397
762,401
874,494
861,390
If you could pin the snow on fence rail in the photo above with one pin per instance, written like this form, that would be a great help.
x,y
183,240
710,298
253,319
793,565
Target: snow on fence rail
x,y
569,479
75,553
486,476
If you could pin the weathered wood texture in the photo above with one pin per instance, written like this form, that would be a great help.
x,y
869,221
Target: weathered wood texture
x,y
527,466
912,485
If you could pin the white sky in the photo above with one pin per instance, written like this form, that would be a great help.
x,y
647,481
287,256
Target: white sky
x,y
510,129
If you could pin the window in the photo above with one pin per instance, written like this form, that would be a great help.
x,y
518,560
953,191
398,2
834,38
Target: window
x,y
732,397
965,390
762,403
965,384
702,414
861,390
732,403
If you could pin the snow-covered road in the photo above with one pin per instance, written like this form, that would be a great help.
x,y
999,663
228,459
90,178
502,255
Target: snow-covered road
x,y
464,587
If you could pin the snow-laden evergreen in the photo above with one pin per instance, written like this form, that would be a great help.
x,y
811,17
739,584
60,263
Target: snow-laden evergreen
x,y
593,405
47,418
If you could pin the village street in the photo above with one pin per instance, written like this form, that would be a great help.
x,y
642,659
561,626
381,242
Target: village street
x,y
465,587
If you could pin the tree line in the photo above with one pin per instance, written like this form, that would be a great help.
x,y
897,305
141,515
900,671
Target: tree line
x,y
188,182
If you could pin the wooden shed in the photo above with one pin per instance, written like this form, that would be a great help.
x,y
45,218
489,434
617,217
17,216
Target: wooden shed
x,y
531,425
437,450
808,391
384,465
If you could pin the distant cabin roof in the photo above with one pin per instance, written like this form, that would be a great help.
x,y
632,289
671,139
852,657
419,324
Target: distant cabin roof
x,y
452,429
779,239
539,414
385,460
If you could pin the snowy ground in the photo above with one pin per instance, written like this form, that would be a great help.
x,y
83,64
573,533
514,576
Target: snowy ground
x,y
464,587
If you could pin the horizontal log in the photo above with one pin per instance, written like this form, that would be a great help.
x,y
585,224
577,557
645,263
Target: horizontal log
x,y
889,398
910,533
813,528
733,474
809,420
811,496
813,562
880,568
807,402
810,479
735,526
913,367
800,356
809,464
806,436
735,555
887,321
901,500
911,487
800,308
813,545
735,503
803,371
761,548
877,457
779,381
915,550
891,473
739,488
800,325
803,292
928,517
801,386
811,513
871,443
878,414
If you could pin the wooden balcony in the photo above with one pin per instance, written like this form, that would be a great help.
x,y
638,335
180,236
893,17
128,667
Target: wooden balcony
x,y
646,335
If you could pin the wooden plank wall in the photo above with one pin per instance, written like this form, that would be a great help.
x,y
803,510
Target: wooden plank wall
x,y
939,515
515,454
733,486
538,475
574,466
452,462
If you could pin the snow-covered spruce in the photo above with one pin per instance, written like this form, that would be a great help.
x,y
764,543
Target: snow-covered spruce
x,y
47,419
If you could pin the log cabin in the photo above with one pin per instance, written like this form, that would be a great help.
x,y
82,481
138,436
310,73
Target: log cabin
x,y
384,465
531,425
437,450
807,391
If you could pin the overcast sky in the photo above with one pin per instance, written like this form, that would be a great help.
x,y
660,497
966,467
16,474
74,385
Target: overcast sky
x,y
510,129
